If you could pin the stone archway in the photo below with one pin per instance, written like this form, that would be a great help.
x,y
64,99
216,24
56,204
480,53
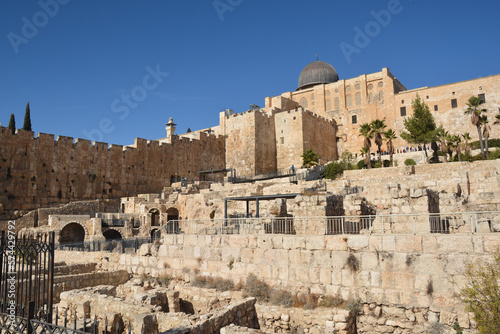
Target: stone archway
x,y
155,217
172,220
172,214
112,234
72,232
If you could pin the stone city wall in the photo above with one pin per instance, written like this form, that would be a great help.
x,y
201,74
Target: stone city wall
x,y
38,172
395,271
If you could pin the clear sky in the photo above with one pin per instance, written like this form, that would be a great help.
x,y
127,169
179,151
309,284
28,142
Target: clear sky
x,y
115,70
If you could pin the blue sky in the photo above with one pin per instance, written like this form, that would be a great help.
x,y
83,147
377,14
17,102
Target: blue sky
x,y
77,61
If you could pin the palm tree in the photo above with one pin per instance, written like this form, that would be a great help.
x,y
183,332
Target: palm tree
x,y
497,117
365,130
442,135
390,135
486,134
378,127
473,108
456,144
466,137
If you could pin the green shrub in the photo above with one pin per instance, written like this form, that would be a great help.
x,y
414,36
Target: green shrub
x,y
361,164
480,295
410,162
495,142
387,163
332,170
494,154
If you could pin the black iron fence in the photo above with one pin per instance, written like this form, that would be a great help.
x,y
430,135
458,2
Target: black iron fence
x,y
26,281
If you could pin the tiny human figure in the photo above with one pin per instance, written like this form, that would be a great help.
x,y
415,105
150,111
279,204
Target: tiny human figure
x,y
293,169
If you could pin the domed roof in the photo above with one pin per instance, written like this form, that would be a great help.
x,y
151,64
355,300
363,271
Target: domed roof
x,y
317,72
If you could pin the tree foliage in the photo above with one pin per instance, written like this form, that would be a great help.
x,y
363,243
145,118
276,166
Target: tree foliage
x,y
475,111
482,294
420,127
377,127
365,131
309,158
12,124
390,135
27,119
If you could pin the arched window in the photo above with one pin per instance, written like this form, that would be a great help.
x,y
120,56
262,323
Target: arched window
x,y
328,104
303,102
337,103
348,101
358,98
381,96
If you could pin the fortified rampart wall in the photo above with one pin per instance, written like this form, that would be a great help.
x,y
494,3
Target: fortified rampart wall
x,y
38,172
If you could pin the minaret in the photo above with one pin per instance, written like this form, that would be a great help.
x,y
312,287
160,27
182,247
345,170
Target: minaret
x,y
170,127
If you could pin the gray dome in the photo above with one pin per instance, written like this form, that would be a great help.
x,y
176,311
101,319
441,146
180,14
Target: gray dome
x,y
317,72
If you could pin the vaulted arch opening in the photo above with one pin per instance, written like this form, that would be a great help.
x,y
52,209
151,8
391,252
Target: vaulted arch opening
x,y
72,232
112,235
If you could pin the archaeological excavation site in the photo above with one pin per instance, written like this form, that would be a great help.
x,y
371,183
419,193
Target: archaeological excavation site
x,y
374,251
264,223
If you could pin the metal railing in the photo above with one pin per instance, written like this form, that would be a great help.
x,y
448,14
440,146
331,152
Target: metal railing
x,y
444,223
118,219
114,245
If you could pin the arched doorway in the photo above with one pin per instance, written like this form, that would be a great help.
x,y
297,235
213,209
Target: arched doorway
x,y
112,235
155,234
155,217
172,221
172,214
72,232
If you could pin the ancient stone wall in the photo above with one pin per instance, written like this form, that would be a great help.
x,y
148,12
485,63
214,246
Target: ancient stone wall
x,y
265,144
393,271
38,172
240,142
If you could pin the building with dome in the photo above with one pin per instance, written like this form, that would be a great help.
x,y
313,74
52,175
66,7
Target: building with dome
x,y
322,113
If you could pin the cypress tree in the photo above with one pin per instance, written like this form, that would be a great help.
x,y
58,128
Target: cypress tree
x,y
27,119
12,124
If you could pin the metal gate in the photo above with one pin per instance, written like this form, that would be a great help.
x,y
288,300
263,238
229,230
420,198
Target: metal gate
x,y
26,281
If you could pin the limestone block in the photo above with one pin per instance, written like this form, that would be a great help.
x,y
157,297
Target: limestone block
x,y
454,244
496,224
358,242
265,242
369,261
294,242
336,243
325,276
432,317
146,323
406,243
246,255
388,243
314,242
